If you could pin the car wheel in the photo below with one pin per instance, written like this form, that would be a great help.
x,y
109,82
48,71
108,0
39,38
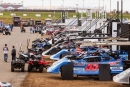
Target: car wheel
x,y
12,68
29,68
67,72
41,68
22,68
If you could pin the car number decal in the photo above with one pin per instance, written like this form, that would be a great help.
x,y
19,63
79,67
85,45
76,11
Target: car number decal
x,y
92,67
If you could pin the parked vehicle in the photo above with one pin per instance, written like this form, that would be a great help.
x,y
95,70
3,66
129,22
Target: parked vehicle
x,y
18,63
6,31
87,66
37,63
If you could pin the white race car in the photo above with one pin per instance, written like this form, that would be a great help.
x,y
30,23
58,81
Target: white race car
x,y
123,77
5,84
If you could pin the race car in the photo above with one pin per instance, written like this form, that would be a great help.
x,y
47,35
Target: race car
x,y
63,52
88,65
5,84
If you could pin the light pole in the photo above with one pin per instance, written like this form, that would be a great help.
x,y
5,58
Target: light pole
x,y
42,4
63,4
103,9
22,2
82,9
50,4
99,4
77,7
110,6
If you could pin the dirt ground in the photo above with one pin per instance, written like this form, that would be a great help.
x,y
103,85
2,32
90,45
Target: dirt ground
x,y
36,79
44,79
16,36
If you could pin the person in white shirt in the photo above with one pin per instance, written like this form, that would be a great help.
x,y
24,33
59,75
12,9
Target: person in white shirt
x,y
5,49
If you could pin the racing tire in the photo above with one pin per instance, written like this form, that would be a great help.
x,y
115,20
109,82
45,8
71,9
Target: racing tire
x,y
41,68
22,68
12,68
29,68
67,72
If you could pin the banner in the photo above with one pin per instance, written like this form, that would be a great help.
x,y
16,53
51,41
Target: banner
x,y
24,14
1,14
13,14
38,15
49,15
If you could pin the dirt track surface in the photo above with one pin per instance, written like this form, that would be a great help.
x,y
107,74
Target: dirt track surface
x,y
5,67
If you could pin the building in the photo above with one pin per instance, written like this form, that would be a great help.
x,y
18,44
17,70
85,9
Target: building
x,y
11,6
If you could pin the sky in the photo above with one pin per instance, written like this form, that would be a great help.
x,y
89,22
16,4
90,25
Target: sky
x,y
72,3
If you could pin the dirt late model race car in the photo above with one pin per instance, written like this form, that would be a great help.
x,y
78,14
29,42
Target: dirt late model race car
x,y
87,66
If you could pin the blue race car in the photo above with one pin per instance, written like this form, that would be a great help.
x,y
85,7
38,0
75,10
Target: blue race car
x,y
120,53
63,52
88,65
42,44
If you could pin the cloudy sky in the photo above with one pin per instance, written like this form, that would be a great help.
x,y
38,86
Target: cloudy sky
x,y
72,3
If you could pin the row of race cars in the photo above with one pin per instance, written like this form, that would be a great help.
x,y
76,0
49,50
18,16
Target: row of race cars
x,y
86,63
63,50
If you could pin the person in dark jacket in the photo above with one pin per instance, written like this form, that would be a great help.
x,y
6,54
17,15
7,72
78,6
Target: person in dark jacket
x,y
13,53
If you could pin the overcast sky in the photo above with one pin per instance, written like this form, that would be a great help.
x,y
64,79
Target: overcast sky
x,y
72,3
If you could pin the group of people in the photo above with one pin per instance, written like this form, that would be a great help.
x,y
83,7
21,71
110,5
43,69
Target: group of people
x,y
13,52
34,28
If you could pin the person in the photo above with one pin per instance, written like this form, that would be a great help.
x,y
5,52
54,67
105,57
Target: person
x,y
13,53
33,30
5,49
78,50
30,30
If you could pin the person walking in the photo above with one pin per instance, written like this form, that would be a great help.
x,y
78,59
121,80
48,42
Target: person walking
x,y
5,49
33,30
13,53
30,30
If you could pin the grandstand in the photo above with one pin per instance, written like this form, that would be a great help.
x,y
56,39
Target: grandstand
x,y
10,6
